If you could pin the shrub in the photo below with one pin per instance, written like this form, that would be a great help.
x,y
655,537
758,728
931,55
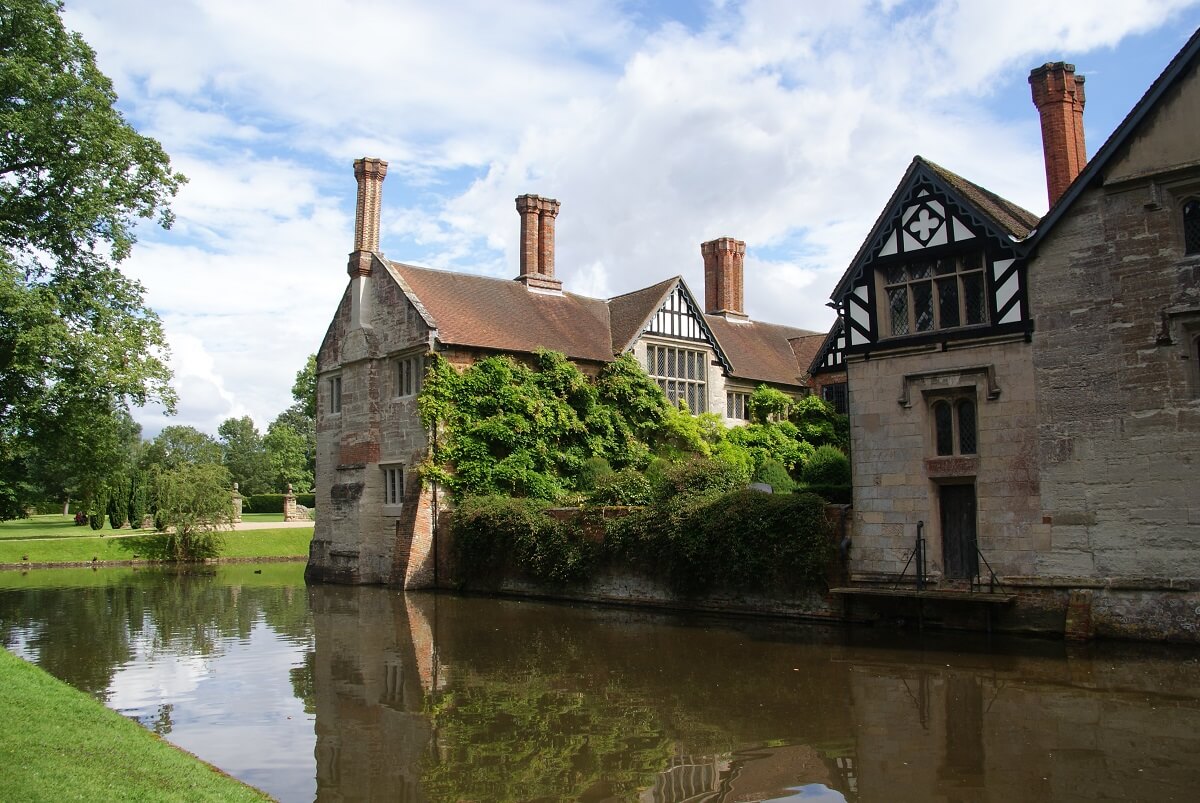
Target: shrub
x,y
273,503
594,469
96,520
833,494
194,503
699,477
773,473
625,487
492,532
827,466
746,541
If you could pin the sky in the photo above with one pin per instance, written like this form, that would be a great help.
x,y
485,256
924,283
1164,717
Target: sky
x,y
657,125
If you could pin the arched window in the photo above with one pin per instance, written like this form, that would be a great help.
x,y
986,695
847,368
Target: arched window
x,y
943,428
1191,226
966,426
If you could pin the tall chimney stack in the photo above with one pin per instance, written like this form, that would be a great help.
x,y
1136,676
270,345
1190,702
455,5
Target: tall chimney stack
x,y
370,174
1058,95
537,242
723,260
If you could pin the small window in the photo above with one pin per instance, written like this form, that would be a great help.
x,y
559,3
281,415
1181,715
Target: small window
x,y
393,485
1191,226
835,395
407,375
335,394
954,427
737,405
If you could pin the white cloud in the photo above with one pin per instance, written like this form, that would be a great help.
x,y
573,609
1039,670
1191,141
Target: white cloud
x,y
786,124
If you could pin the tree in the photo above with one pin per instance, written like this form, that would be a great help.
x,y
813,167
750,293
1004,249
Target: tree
x,y
76,338
180,445
304,389
242,452
288,453
193,504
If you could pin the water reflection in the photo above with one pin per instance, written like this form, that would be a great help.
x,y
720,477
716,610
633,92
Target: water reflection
x,y
338,693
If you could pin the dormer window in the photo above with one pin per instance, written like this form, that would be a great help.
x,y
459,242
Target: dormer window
x,y
928,294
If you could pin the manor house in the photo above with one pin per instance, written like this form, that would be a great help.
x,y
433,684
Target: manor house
x,y
375,520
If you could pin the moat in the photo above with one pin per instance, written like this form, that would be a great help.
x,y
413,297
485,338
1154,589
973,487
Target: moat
x,y
338,693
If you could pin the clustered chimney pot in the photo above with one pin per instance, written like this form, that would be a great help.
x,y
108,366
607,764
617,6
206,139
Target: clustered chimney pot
x,y
723,264
537,242
1059,98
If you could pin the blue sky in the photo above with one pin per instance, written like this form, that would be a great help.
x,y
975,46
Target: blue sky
x,y
658,125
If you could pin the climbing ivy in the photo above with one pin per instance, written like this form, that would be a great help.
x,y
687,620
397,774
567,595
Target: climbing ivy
x,y
501,427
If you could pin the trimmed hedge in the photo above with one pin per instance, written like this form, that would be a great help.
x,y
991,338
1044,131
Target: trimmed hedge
x,y
492,533
833,494
273,503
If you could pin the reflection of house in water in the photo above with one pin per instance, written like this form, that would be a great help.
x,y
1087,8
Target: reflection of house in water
x,y
767,773
373,667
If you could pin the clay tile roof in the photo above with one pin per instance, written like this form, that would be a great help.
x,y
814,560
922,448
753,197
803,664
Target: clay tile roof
x,y
1014,219
483,312
806,349
631,312
760,352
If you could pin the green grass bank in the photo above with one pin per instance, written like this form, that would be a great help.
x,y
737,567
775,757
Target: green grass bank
x,y
58,744
42,540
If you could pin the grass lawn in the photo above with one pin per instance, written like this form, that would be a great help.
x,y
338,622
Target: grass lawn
x,y
58,526
59,744
149,545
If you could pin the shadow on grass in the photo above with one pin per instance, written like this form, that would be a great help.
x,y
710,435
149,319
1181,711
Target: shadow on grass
x,y
155,546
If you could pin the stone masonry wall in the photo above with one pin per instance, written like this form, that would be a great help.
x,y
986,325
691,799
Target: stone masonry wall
x,y
1116,305
896,472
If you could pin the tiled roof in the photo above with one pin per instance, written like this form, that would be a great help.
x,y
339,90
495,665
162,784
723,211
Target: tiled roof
x,y
501,314
1014,219
807,348
482,312
631,312
760,352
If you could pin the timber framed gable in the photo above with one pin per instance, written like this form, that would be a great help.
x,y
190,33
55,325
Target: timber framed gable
x,y
678,316
944,261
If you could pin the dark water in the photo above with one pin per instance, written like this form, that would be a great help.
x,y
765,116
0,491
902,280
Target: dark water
x,y
336,693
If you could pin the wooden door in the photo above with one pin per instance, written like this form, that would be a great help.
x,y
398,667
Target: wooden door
x,y
960,559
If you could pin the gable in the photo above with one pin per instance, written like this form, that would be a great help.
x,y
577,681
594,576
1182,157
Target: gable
x,y
678,317
943,261
832,354
1166,138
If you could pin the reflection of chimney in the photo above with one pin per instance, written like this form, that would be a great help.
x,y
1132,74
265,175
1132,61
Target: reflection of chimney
x,y
1058,95
369,173
537,242
723,260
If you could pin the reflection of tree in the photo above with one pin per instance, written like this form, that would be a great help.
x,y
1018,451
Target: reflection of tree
x,y
304,684
524,736
82,625
162,721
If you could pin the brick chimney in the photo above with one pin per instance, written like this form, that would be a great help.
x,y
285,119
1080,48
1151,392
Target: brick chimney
x,y
1058,95
723,259
370,174
537,242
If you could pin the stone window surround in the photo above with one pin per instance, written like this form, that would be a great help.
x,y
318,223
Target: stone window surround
x,y
335,394
675,386
415,362
393,487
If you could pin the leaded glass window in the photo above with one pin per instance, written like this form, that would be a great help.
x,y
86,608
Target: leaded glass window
x,y
407,374
943,428
737,405
966,426
925,295
954,427
1191,226
681,373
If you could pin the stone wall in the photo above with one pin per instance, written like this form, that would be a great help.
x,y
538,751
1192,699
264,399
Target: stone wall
x,y
897,473
1116,305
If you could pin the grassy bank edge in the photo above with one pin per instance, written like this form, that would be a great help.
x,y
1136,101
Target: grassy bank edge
x,y
58,744
266,544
